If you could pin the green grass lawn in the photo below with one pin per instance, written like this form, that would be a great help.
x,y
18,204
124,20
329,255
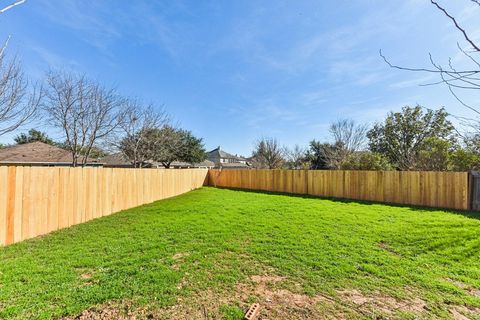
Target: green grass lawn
x,y
212,252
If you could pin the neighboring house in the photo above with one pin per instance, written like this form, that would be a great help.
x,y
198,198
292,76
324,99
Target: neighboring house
x,y
118,160
38,154
254,163
225,160
206,164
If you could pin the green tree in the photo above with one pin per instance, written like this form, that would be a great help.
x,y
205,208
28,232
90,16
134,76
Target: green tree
x,y
323,155
174,144
404,134
467,156
366,160
33,136
435,155
168,145
192,148
464,159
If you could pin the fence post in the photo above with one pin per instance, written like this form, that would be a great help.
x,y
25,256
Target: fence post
x,y
474,185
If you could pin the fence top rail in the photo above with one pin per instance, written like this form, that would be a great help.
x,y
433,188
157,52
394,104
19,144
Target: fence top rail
x,y
337,170
90,167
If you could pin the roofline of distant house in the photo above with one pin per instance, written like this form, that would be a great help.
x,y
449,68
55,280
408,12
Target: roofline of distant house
x,y
47,163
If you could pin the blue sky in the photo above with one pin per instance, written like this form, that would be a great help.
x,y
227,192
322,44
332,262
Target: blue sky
x,y
234,71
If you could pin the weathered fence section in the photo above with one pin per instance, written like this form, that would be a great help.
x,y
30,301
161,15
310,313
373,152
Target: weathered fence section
x,y
38,200
432,189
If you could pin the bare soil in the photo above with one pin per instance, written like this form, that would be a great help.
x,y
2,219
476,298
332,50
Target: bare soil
x,y
276,302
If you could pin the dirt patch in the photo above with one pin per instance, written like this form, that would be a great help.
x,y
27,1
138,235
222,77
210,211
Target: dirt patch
x,y
457,315
108,311
464,313
266,279
474,292
202,305
86,276
275,303
467,288
180,255
379,302
458,284
279,298
281,303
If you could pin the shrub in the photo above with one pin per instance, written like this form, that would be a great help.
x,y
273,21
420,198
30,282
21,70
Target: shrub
x,y
366,160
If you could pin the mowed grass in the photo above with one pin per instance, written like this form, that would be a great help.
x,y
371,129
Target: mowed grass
x,y
210,240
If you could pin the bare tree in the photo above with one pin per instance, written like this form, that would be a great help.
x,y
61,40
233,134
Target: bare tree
x,y
85,111
18,101
269,154
348,137
456,80
296,157
136,129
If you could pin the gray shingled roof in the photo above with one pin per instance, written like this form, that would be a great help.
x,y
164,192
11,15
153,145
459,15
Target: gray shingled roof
x,y
234,165
205,163
222,154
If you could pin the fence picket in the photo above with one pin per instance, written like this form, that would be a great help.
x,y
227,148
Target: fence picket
x,y
432,189
38,200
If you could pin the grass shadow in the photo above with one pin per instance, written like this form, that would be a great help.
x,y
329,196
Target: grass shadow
x,y
466,213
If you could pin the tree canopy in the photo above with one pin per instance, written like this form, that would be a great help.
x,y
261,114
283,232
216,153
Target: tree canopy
x,y
165,145
33,135
402,135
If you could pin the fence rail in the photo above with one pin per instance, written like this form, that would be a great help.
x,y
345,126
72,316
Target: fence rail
x,y
38,200
432,189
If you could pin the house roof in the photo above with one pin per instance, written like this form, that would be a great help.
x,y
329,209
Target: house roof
x,y
218,152
205,163
35,152
119,159
234,165
116,159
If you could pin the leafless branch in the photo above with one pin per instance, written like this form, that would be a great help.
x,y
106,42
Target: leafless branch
x,y
465,35
18,100
5,45
348,138
85,111
435,70
347,133
268,154
135,129
12,5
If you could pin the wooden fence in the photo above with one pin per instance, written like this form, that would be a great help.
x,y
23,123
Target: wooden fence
x,y
432,189
38,200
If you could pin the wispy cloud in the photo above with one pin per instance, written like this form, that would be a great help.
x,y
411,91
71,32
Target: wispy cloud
x,y
103,24
87,19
